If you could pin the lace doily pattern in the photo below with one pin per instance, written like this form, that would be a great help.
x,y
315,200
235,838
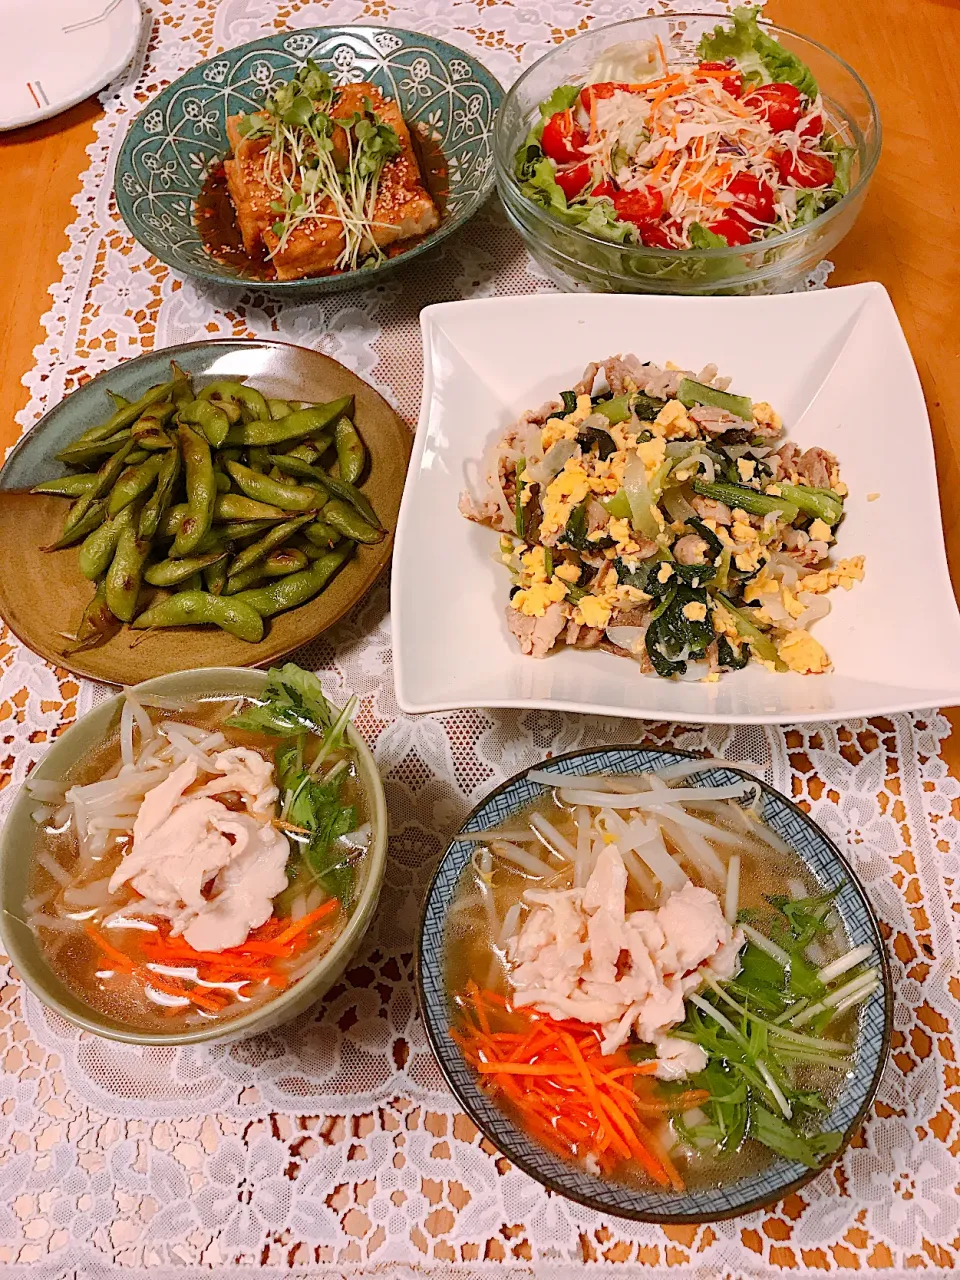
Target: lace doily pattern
x,y
331,1146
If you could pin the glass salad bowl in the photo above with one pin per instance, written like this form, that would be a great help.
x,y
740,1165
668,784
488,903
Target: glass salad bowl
x,y
577,259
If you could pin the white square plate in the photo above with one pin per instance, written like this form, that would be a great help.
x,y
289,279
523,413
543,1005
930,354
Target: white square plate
x,y
833,362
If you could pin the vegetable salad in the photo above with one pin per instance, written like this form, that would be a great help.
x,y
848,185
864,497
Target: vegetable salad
x,y
652,513
731,150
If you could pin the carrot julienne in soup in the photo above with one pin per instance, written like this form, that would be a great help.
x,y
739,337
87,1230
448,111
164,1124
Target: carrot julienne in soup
x,y
631,984
203,860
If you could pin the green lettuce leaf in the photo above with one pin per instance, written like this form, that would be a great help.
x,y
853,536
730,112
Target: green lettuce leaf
x,y
703,238
756,53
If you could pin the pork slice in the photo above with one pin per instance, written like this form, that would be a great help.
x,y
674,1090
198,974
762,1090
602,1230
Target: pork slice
x,y
585,386
486,512
783,462
536,636
815,465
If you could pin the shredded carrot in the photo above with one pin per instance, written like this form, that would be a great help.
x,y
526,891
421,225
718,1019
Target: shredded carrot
x,y
312,917
567,1092
118,957
663,56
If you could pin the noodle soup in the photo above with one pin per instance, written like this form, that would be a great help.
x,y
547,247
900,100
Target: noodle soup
x,y
648,980
202,860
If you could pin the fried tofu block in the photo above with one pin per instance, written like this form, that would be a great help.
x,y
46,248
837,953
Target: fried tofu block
x,y
403,208
249,192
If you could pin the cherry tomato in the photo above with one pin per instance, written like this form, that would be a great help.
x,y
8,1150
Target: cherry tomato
x,y
655,235
732,228
562,140
606,89
779,104
754,195
573,179
644,205
805,169
732,82
604,188
813,128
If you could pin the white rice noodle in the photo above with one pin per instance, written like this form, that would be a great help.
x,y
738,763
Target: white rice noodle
x,y
42,815
766,944
298,907
144,723
697,795
836,967
521,858
582,867
696,850
510,922
555,841
775,1089
53,867
126,733
843,995
640,876
731,897
677,814
647,843
45,789
315,898
485,868
684,769
858,996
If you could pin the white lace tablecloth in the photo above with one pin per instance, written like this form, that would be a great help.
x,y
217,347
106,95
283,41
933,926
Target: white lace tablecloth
x,y
332,1146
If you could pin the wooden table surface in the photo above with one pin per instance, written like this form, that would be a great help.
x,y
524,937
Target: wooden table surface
x,y
907,235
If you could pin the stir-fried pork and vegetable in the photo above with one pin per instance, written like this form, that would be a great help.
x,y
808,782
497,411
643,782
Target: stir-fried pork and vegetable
x,y
652,513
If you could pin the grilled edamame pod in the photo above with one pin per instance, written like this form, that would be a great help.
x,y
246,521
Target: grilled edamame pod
x,y
195,608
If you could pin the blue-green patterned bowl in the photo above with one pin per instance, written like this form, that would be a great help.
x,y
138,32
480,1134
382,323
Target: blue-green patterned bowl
x,y
445,95
742,1194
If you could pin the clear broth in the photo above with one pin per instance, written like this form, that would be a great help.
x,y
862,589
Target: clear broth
x,y
75,958
469,954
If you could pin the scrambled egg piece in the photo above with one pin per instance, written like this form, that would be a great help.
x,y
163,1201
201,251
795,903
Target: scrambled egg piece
x,y
555,429
622,534
767,416
711,677
535,600
695,611
652,453
595,610
536,593
567,572
820,531
665,572
746,467
675,421
802,653
836,484
792,605
842,574
564,492
724,625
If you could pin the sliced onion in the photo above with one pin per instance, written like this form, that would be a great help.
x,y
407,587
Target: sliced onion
x,y
704,460
629,638
555,459
677,507
53,867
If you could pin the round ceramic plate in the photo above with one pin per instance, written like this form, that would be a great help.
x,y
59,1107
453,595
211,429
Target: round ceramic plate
x,y
43,594
448,99
55,53
749,1192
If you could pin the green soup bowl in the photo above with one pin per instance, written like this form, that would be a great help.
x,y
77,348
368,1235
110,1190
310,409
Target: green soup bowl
x,y
19,837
